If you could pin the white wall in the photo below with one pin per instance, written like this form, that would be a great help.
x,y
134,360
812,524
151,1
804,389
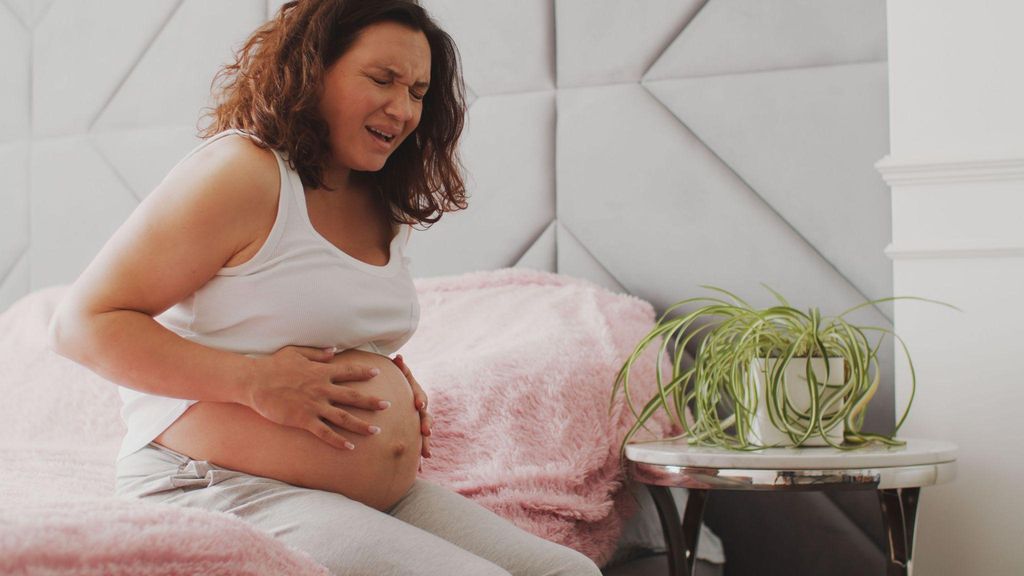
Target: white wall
x,y
956,169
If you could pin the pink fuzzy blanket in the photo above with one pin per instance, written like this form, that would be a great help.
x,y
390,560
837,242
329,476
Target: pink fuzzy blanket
x,y
518,365
59,434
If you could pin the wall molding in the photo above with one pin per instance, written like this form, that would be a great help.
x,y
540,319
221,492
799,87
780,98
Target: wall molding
x,y
954,251
897,172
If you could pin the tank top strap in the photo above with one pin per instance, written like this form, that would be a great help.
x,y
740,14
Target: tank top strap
x,y
287,225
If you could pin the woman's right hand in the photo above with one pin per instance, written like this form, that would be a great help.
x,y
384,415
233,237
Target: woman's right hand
x,y
299,387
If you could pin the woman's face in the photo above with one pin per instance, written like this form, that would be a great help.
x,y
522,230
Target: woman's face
x,y
376,87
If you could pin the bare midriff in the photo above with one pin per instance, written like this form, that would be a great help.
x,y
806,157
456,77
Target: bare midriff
x,y
377,472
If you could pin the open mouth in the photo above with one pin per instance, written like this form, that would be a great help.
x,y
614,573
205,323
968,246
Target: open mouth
x,y
382,136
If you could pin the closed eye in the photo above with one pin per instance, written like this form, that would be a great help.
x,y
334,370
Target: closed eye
x,y
415,96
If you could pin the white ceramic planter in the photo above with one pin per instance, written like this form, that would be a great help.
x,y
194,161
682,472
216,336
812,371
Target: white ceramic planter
x,y
795,381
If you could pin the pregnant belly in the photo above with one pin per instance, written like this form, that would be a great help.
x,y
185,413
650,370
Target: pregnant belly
x,y
377,473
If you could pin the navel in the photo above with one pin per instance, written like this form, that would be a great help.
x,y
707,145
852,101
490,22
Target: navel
x,y
399,448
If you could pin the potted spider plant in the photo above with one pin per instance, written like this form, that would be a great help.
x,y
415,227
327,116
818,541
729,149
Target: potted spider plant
x,y
775,376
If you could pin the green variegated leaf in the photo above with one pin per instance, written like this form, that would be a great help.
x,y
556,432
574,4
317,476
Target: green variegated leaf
x,y
730,335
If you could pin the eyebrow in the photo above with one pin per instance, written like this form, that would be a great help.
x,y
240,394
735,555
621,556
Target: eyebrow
x,y
394,72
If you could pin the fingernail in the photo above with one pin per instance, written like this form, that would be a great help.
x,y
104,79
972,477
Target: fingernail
x,y
374,430
350,446
374,371
331,350
384,404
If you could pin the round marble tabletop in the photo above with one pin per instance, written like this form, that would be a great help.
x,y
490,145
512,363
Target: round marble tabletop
x,y
675,463
678,453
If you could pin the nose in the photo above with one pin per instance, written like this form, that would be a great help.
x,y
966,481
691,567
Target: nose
x,y
400,106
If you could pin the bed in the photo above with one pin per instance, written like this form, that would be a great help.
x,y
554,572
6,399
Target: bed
x,y
645,148
523,426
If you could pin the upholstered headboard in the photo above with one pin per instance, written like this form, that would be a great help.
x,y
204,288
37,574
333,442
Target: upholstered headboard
x,y
649,146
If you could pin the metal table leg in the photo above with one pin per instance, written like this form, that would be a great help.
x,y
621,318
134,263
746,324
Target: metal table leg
x,y
681,540
899,516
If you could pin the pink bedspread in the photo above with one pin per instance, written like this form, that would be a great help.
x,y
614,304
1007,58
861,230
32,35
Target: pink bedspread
x,y
518,365
59,434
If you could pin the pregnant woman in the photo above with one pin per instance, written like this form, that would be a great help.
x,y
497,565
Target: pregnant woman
x,y
249,307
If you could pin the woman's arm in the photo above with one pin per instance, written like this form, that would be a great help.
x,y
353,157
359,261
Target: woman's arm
x,y
210,207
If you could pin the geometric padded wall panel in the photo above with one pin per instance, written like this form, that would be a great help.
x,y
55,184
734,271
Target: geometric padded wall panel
x,y
575,259
15,44
29,11
14,282
141,158
619,148
508,151
77,203
196,41
505,46
779,132
83,49
542,254
14,186
610,41
732,36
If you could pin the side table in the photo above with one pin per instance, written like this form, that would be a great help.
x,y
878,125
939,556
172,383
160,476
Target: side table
x,y
897,473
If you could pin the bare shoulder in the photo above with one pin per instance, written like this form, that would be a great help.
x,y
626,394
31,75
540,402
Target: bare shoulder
x,y
239,171
210,209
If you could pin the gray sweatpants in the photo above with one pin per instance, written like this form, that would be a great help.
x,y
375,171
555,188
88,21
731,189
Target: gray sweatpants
x,y
429,531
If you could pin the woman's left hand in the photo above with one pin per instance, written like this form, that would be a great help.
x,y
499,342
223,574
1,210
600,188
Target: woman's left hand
x,y
419,400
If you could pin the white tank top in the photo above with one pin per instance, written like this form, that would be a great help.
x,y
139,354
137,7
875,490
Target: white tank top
x,y
299,289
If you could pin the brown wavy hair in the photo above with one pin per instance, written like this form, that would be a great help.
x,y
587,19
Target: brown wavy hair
x,y
272,90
